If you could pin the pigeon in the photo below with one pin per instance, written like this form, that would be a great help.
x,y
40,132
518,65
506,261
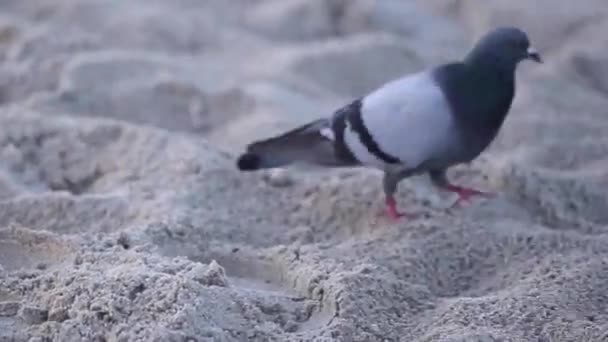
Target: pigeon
x,y
422,123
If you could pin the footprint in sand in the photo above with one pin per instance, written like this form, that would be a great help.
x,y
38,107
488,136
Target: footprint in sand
x,y
25,249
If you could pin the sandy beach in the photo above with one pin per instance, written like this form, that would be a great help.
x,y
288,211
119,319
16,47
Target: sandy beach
x,y
124,218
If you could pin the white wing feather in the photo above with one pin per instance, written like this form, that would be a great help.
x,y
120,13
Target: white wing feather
x,y
409,118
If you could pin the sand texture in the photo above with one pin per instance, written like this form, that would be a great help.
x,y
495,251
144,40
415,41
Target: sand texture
x,y
123,217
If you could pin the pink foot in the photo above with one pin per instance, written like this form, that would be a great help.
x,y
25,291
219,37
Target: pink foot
x,y
465,194
391,209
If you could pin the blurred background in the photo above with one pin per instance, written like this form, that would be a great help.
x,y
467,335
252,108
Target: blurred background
x,y
239,69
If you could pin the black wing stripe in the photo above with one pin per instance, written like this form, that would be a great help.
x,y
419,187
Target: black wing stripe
x,y
355,120
339,126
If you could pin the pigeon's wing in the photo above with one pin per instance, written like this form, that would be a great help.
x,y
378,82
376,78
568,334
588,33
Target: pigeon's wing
x,y
406,122
313,144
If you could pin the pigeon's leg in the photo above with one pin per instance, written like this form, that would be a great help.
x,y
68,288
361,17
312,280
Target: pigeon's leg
x,y
390,183
439,178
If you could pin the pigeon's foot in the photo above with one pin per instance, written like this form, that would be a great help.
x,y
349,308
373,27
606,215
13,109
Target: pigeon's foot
x,y
391,209
465,194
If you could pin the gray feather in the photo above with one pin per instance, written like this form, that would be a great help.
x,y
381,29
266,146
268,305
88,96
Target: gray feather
x,y
306,144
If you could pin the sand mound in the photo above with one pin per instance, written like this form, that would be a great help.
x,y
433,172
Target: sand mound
x,y
123,218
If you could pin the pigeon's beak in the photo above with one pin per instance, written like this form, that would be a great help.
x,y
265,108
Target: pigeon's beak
x,y
534,55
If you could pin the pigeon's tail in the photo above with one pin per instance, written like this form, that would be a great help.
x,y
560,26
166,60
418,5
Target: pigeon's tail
x,y
309,144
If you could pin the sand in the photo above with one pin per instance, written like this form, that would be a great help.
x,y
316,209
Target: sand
x,y
123,217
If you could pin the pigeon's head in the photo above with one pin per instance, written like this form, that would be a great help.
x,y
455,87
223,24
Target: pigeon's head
x,y
506,46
